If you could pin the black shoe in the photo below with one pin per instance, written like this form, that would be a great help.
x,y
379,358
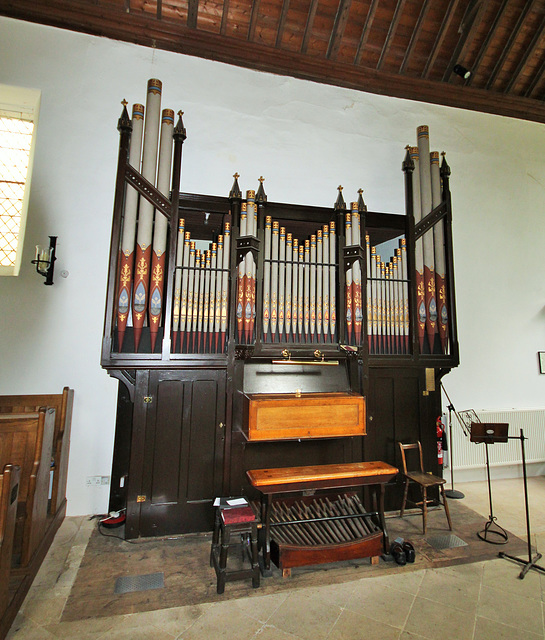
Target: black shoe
x,y
398,554
410,553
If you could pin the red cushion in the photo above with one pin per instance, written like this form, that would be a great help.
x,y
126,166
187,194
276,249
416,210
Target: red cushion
x,y
236,515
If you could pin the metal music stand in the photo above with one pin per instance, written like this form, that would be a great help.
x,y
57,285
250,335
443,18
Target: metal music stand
x,y
452,492
531,562
489,433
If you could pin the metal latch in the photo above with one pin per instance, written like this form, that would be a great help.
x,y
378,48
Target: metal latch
x,y
140,498
148,399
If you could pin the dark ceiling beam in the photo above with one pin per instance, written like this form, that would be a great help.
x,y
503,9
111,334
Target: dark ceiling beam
x,y
510,42
441,34
192,13
253,20
341,18
308,26
470,24
224,17
538,76
171,36
537,40
424,9
391,32
159,9
282,22
536,80
489,36
365,31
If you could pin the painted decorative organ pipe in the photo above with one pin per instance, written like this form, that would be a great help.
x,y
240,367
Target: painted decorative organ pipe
x,y
430,256
126,259
160,227
299,279
143,245
145,214
439,252
247,270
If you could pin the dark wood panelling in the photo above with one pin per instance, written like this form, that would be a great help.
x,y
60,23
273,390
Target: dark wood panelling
x,y
181,466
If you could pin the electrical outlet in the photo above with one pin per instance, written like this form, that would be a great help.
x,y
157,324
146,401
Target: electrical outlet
x,y
104,480
94,481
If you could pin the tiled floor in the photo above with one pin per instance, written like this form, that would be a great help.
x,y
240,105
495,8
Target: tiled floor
x,y
481,601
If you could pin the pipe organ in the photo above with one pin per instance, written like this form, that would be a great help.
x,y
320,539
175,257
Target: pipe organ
x,y
219,304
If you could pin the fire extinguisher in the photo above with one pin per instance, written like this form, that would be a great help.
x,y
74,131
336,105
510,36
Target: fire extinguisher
x,y
440,427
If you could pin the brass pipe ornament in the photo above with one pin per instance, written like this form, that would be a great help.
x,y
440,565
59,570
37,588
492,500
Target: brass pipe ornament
x,y
45,260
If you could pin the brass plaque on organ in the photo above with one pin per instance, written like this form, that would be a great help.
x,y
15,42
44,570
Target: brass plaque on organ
x,y
286,416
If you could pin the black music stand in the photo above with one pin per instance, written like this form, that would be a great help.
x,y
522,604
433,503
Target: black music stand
x,y
452,492
531,562
489,433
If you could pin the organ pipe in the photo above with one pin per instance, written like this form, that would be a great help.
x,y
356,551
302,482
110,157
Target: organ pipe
x,y
126,258
160,226
299,283
145,216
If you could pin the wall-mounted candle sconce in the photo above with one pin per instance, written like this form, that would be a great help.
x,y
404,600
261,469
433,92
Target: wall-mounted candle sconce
x,y
45,260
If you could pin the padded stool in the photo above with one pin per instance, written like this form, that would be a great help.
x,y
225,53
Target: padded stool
x,y
228,521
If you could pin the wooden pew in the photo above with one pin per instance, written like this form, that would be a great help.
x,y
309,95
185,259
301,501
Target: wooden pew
x,y
62,403
26,440
9,490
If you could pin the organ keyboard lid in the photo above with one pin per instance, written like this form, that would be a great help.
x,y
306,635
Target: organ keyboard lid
x,y
281,416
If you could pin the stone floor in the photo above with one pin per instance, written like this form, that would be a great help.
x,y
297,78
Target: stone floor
x,y
479,601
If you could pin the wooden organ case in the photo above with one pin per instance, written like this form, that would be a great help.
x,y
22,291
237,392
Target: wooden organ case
x,y
270,335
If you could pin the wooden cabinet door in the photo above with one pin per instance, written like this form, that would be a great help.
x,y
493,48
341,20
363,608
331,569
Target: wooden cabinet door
x,y
183,452
400,410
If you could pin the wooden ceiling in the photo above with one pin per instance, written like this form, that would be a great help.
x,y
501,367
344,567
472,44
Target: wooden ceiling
x,y
402,48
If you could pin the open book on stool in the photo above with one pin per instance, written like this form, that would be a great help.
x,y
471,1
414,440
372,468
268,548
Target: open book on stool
x,y
231,503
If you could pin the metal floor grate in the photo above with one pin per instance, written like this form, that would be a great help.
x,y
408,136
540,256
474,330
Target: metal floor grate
x,y
126,584
446,542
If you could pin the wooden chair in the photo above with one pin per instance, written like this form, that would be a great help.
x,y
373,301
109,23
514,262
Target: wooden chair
x,y
425,481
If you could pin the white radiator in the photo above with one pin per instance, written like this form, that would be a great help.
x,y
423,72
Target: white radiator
x,y
469,455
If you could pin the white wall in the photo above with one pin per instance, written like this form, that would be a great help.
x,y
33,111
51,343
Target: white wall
x,y
306,139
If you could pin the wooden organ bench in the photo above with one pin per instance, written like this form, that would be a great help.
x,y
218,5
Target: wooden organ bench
x,y
321,530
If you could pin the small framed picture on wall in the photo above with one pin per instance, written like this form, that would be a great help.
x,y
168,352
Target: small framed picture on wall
x,y
541,360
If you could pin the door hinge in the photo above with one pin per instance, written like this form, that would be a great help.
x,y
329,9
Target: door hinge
x,y
140,498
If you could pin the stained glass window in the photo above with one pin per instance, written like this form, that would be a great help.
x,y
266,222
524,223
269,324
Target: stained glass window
x,y
15,145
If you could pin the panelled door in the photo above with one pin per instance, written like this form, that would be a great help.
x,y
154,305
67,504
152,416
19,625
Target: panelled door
x,y
183,453
399,409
